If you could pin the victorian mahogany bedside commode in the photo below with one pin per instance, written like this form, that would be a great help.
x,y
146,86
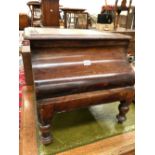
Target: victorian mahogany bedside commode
x,y
78,68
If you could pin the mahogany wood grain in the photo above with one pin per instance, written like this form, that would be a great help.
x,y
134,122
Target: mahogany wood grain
x,y
85,99
28,134
78,68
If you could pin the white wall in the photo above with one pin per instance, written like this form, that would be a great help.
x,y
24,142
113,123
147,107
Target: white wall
x,y
92,6
22,6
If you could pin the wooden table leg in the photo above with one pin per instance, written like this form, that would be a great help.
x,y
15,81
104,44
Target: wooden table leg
x,y
65,19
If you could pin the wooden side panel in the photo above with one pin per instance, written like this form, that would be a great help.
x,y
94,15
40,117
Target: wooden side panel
x,y
26,56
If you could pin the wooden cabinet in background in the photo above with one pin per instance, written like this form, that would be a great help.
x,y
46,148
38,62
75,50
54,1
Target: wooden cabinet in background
x,y
50,13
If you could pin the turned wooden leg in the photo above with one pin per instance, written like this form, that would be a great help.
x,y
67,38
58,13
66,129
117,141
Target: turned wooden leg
x,y
123,109
46,137
45,116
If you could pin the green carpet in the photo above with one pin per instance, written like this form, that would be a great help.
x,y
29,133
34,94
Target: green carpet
x,y
84,126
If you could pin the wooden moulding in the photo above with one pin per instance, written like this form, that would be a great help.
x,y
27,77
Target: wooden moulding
x,y
85,99
75,43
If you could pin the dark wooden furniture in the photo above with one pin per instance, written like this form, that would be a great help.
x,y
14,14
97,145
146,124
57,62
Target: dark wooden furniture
x,y
26,56
129,32
50,13
78,68
72,14
24,21
24,50
35,9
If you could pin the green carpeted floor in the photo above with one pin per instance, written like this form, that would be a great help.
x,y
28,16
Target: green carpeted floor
x,y
84,126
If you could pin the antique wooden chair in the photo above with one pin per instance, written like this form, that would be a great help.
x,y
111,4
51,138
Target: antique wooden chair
x,y
35,9
119,9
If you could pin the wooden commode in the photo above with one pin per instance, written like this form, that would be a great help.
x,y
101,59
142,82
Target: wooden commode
x,y
76,69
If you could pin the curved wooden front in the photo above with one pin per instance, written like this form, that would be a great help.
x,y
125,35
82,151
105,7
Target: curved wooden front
x,y
75,69
64,71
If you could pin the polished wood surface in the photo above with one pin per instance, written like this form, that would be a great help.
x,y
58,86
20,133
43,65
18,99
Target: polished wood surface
x,y
28,135
74,69
55,34
122,143
117,145
50,13
81,73
83,100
